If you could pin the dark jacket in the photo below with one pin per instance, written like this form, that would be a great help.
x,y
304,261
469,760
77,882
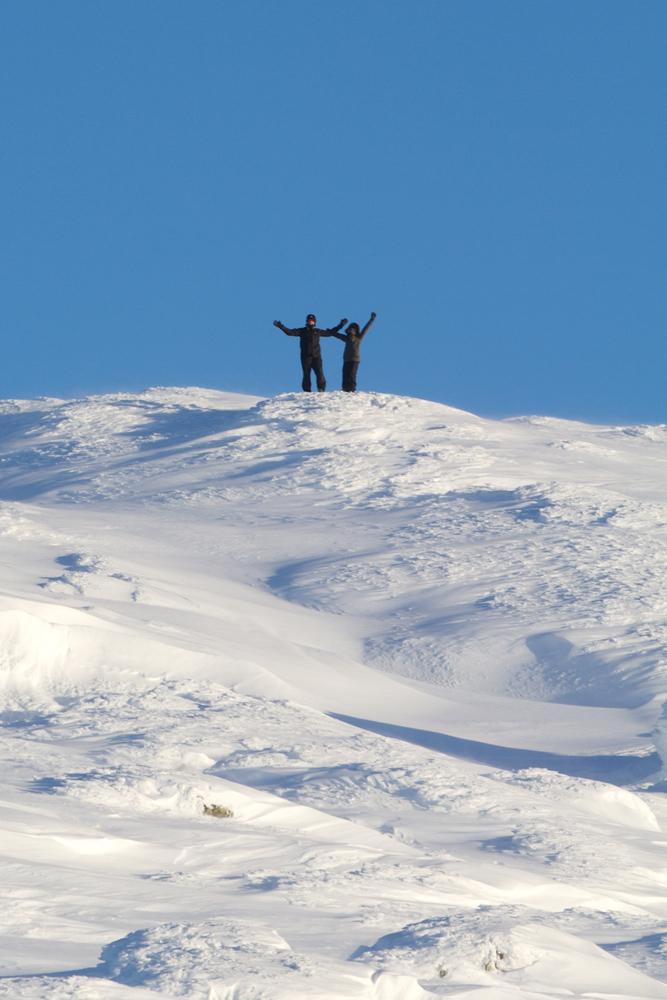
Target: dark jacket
x,y
310,337
352,342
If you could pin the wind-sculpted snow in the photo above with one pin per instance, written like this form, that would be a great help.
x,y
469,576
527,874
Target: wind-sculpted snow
x,y
473,948
332,696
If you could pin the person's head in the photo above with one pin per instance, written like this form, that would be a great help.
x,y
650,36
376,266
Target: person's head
x,y
311,319
353,328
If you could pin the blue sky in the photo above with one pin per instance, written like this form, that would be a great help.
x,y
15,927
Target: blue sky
x,y
488,175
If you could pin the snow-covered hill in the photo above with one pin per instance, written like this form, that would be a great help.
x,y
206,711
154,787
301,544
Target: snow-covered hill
x,y
417,659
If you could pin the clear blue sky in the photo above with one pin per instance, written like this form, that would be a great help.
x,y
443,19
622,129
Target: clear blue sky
x,y
488,175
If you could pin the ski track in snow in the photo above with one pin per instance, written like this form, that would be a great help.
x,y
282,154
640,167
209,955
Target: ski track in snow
x,y
416,659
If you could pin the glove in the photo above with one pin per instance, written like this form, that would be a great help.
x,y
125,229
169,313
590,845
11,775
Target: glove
x,y
373,315
342,322
277,323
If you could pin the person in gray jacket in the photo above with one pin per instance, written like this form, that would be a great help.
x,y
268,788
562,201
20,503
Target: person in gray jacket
x,y
311,354
352,355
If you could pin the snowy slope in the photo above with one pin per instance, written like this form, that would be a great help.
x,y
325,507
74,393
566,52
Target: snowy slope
x,y
421,657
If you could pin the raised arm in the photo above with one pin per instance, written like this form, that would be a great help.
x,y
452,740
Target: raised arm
x,y
285,329
368,326
333,330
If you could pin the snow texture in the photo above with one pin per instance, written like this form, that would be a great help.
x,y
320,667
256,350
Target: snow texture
x,y
330,696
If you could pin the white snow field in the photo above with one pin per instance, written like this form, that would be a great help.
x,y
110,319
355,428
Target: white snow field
x,y
330,696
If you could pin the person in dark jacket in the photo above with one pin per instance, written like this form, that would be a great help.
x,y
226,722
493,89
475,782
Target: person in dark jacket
x,y
311,355
352,355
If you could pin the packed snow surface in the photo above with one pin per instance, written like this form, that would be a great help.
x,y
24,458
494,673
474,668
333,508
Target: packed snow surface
x,y
330,696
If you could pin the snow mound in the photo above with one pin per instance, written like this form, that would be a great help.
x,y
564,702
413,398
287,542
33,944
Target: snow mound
x,y
228,959
604,802
189,960
49,651
486,948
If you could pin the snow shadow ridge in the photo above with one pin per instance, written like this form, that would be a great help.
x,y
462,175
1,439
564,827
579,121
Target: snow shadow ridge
x,y
179,425
66,462
612,768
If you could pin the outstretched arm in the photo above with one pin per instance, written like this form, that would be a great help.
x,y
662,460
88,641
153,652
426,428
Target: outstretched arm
x,y
340,336
333,330
368,326
285,329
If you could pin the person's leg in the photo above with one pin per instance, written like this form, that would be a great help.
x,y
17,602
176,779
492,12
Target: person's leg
x,y
305,382
350,376
319,374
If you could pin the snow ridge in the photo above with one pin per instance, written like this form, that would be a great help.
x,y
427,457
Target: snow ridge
x,y
417,659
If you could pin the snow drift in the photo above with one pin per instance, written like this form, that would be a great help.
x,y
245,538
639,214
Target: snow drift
x,y
416,658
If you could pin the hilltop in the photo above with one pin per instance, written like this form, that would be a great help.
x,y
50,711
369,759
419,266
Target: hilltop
x,y
420,656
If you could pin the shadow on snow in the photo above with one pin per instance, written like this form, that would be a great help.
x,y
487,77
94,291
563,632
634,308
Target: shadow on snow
x,y
615,769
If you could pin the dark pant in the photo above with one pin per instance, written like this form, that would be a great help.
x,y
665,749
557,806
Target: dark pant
x,y
350,376
313,364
